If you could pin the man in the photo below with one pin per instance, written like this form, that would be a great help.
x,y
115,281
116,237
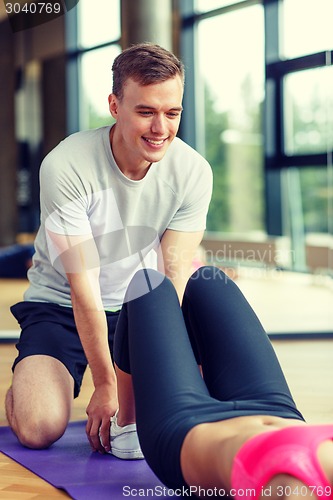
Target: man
x,y
113,200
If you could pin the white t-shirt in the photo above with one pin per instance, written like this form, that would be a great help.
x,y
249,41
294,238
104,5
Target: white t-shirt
x,y
83,192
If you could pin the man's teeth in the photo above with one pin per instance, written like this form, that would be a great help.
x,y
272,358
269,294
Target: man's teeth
x,y
156,143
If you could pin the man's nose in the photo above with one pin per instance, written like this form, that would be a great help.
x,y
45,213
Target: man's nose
x,y
158,124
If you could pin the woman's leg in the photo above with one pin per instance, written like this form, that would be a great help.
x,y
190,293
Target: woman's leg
x,y
237,358
151,343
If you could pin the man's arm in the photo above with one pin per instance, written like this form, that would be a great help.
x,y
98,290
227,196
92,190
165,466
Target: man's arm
x,y
80,260
178,250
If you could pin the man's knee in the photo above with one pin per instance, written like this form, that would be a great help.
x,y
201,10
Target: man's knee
x,y
38,409
38,431
39,436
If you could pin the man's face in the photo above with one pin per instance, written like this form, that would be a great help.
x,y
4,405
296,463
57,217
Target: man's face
x,y
147,121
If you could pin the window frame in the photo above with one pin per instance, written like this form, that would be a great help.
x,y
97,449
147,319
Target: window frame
x,y
276,69
275,158
74,53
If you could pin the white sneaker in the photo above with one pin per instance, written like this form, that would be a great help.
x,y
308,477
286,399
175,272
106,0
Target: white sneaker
x,y
124,441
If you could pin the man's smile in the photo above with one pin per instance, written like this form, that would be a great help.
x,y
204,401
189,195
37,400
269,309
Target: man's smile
x,y
154,142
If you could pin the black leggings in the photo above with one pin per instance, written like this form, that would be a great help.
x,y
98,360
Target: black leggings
x,y
160,344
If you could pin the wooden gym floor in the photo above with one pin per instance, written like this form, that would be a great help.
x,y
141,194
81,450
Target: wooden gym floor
x,y
307,365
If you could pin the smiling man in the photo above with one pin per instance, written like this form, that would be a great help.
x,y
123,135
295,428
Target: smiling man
x,y
113,200
147,122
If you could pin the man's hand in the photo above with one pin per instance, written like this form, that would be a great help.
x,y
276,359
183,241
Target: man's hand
x,y
102,406
80,260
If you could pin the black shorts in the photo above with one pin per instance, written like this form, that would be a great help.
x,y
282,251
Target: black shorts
x,y
50,329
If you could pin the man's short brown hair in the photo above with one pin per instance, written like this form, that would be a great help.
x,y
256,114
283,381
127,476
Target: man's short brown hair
x,y
145,63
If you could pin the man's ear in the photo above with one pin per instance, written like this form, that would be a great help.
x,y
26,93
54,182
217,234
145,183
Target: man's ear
x,y
113,105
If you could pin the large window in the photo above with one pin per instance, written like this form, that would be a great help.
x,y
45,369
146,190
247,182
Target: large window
x,y
259,106
306,27
98,25
230,59
93,38
98,22
308,119
95,86
299,108
262,94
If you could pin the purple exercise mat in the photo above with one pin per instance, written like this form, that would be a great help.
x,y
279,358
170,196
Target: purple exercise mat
x,y
70,465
